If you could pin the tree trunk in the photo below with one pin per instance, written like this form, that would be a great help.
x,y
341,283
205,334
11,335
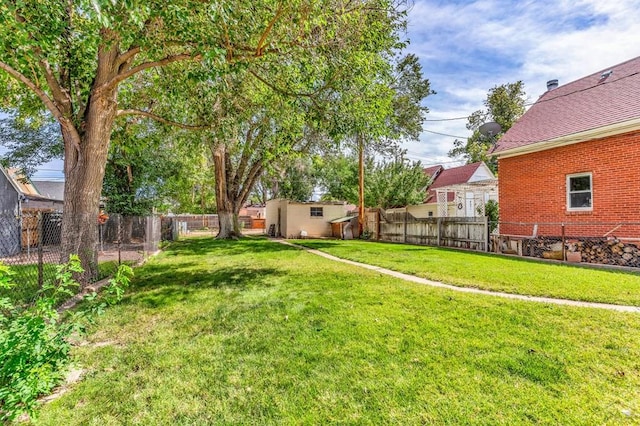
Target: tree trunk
x,y
84,165
223,201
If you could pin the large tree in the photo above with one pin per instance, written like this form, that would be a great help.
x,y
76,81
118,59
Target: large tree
x,y
504,105
272,110
73,58
393,183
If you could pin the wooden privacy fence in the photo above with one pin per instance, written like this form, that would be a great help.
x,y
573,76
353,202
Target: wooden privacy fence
x,y
461,232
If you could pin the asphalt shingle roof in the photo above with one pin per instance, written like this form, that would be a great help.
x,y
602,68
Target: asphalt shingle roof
x,y
588,103
453,176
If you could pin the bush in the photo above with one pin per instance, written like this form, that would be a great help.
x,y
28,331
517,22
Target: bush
x,y
492,211
34,345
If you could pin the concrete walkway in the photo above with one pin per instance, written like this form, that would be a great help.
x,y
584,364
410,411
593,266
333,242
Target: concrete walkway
x,y
424,281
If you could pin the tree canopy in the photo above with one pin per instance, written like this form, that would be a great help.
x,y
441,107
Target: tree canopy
x,y
393,183
504,105
88,62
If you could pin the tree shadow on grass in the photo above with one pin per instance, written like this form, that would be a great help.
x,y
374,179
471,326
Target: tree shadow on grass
x,y
170,287
207,245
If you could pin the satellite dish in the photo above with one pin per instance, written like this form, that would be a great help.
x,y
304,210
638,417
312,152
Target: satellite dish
x,y
490,129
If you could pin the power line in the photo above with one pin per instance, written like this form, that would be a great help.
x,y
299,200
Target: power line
x,y
447,119
444,134
547,100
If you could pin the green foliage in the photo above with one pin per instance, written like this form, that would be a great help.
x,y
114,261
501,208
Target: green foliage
x,y
394,183
34,350
492,211
294,180
152,167
29,143
34,345
504,105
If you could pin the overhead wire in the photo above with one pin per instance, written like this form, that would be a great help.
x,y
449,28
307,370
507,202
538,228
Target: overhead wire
x,y
600,83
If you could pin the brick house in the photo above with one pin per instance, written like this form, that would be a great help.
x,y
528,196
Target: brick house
x,y
573,158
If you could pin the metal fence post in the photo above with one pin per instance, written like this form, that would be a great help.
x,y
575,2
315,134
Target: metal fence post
x,y
564,255
119,238
40,228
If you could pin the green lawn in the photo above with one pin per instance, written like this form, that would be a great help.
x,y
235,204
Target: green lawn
x,y
491,272
254,332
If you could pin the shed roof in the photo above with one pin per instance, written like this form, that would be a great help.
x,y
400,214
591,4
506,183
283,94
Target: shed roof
x,y
598,100
342,219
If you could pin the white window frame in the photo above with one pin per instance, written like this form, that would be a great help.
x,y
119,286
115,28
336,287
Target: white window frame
x,y
569,192
311,209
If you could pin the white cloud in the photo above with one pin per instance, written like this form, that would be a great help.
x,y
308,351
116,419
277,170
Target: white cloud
x,y
467,49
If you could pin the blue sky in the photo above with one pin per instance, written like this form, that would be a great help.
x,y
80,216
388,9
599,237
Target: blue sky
x,y
468,47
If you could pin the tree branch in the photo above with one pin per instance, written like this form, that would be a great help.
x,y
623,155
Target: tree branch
x,y
126,56
278,89
60,95
123,112
250,146
249,182
265,33
51,106
121,76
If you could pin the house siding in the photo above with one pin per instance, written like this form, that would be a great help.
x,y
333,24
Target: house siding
x,y
532,189
8,197
296,217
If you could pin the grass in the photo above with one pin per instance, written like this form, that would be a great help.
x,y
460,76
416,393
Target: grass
x,y
492,272
26,279
253,332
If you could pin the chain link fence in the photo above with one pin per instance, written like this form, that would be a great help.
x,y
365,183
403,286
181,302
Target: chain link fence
x,y
31,243
605,243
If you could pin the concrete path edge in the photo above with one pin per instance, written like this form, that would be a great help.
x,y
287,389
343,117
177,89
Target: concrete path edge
x,y
424,281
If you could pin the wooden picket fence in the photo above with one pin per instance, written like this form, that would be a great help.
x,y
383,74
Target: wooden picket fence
x,y
400,226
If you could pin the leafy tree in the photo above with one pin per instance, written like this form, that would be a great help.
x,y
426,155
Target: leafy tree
x,y
397,183
29,142
150,167
271,111
505,104
294,181
388,184
76,60
338,177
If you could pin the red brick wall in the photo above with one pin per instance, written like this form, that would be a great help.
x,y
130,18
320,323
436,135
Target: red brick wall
x,y
532,188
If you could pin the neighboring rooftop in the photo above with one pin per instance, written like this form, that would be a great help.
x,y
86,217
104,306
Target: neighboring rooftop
x,y
433,171
21,183
50,189
605,98
455,176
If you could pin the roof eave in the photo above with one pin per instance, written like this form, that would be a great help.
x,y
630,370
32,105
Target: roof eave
x,y
587,135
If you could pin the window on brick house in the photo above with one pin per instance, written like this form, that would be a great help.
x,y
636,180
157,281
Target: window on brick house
x,y
579,192
316,212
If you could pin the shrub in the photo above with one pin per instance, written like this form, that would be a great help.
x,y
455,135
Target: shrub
x,y
34,345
